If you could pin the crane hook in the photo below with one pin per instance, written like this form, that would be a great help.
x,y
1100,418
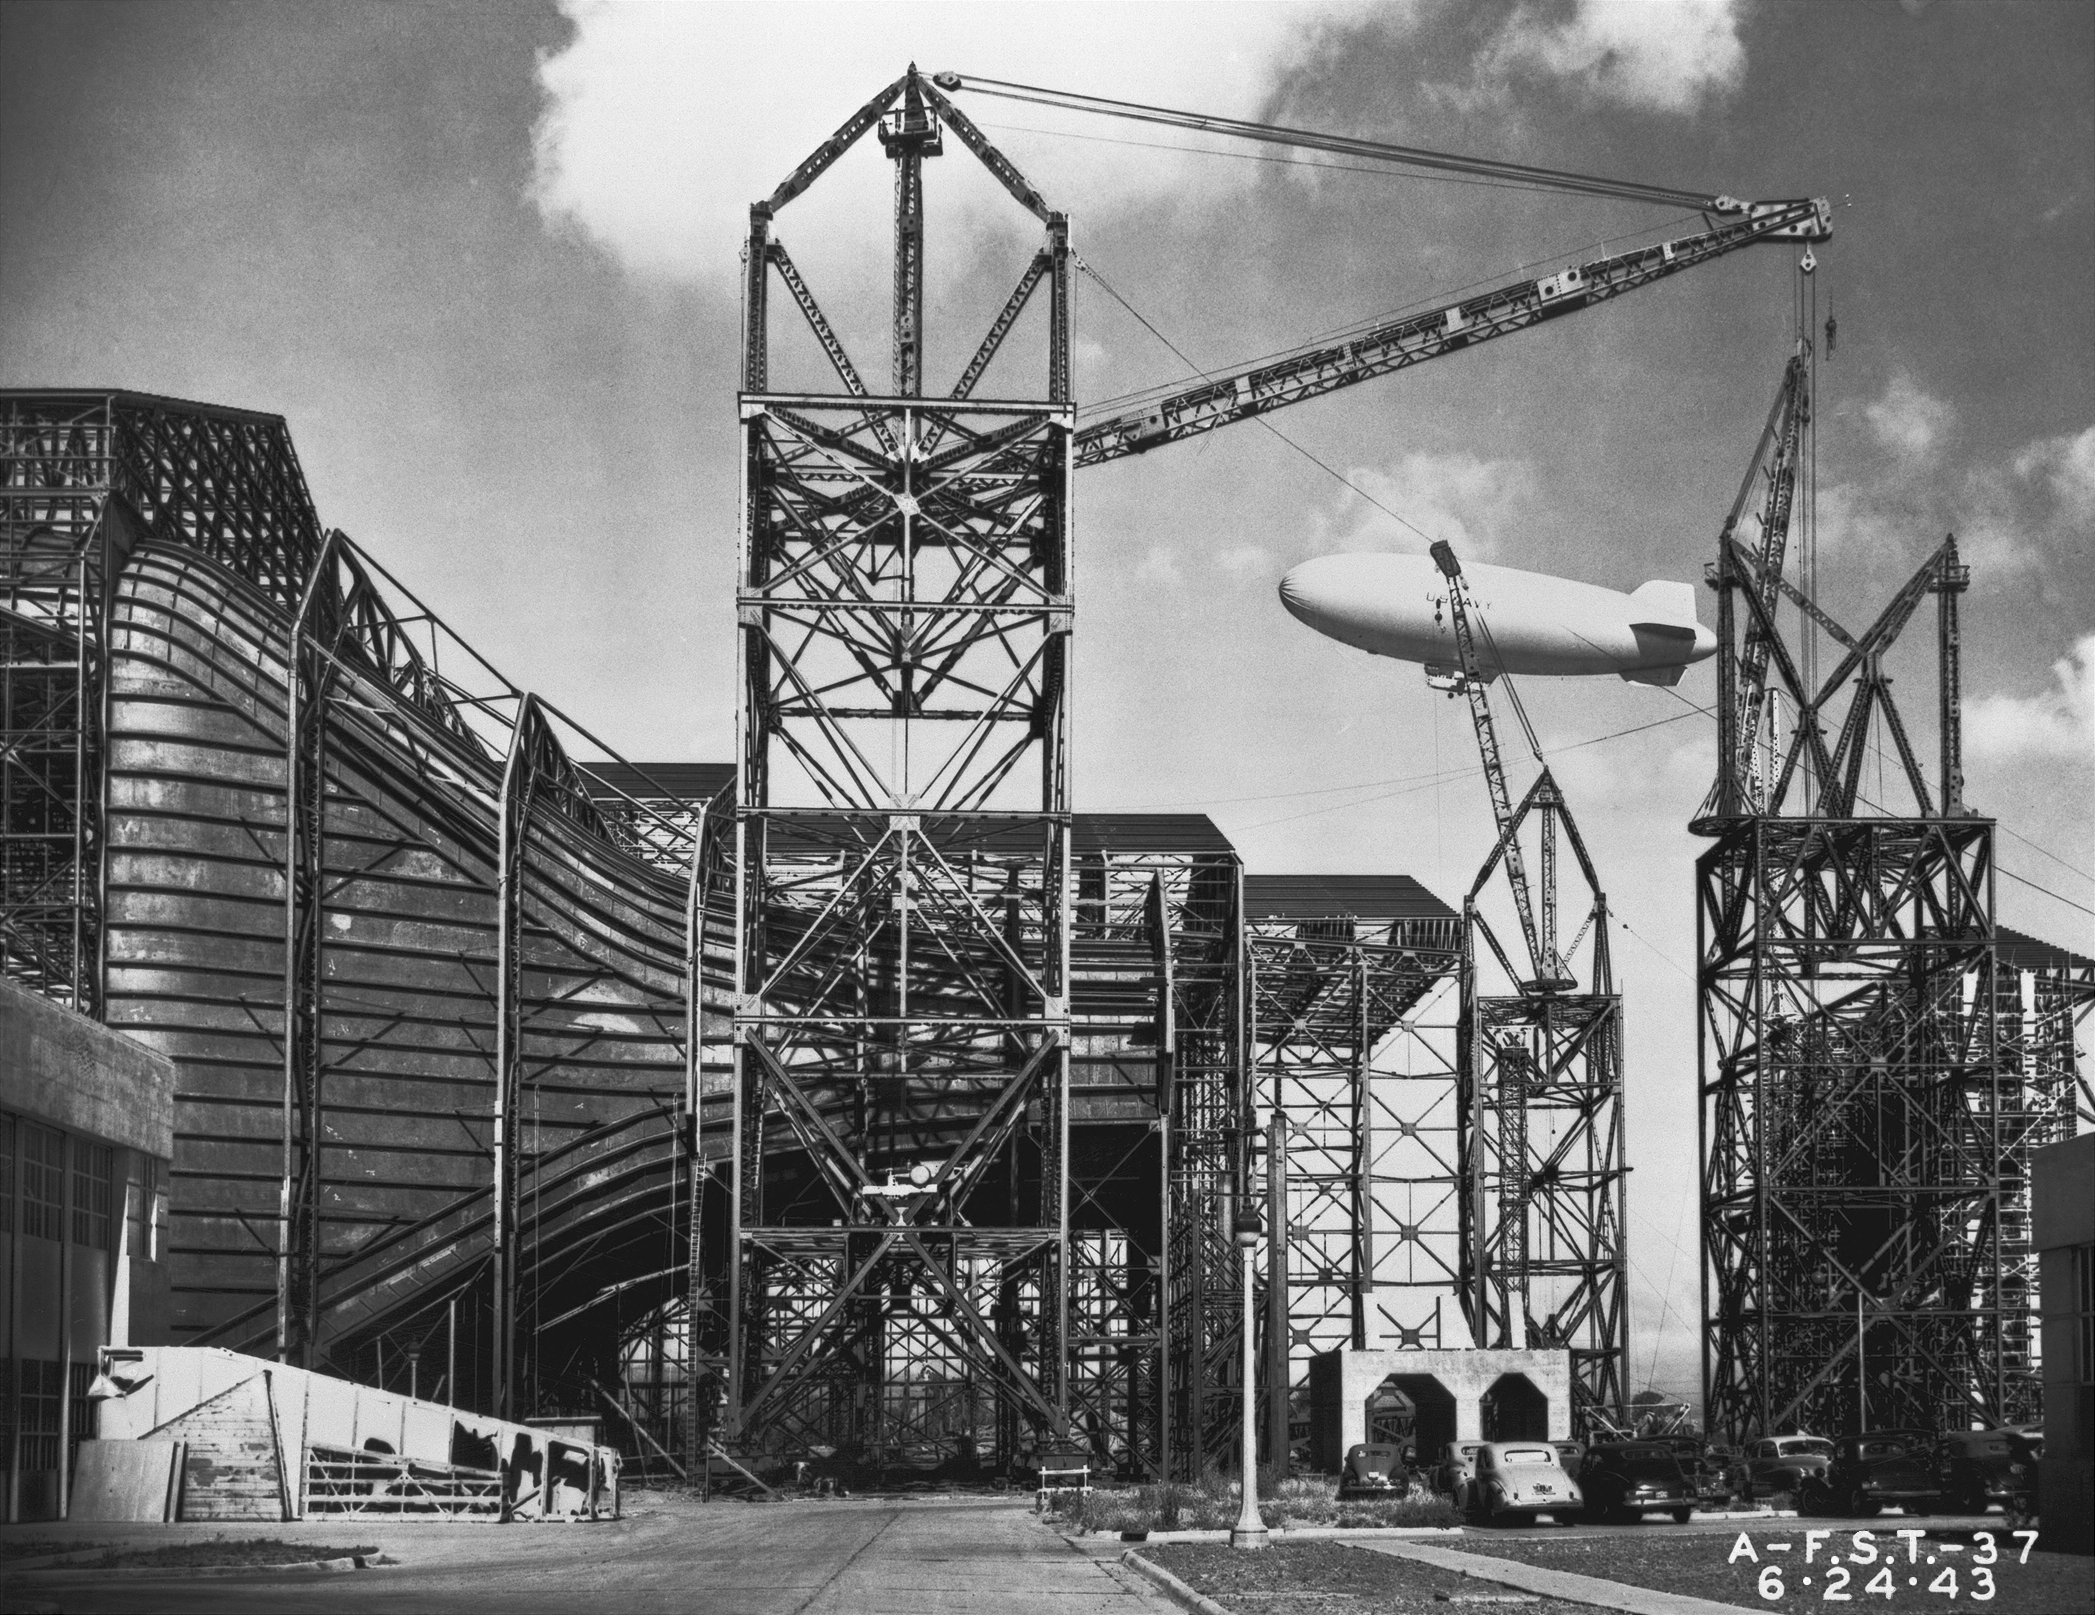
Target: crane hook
x,y
1807,263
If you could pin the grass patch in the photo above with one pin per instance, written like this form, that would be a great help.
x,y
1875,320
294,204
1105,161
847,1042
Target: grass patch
x,y
28,1548
1326,1576
1212,1505
218,1554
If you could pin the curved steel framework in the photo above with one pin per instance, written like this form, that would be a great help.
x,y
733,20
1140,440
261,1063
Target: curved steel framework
x,y
427,994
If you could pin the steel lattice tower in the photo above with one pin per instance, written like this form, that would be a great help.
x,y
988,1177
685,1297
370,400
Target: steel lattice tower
x,y
901,1021
1869,1093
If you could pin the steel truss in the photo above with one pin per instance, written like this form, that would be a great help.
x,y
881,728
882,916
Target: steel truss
x,y
1539,1064
265,812
82,476
902,1211
1877,1059
1353,1002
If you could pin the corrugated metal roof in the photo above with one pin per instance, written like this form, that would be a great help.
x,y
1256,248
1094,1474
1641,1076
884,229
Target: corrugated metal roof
x,y
656,782
2023,952
1147,832
1317,897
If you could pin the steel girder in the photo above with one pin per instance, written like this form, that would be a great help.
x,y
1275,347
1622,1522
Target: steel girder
x,y
902,1002
1353,1021
1540,1070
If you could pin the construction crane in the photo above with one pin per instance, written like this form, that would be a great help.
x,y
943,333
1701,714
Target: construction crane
x,y
1539,1080
1399,343
1548,973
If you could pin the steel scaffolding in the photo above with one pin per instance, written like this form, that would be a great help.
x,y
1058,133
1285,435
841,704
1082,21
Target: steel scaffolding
x,y
1539,1064
1353,1000
901,1039
1877,1059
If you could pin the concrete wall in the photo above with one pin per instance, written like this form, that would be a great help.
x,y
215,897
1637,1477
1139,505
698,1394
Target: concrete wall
x,y
2062,1228
1342,1381
78,1271
252,1427
62,1068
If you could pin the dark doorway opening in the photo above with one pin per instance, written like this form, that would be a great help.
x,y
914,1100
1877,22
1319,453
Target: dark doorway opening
x,y
1515,1410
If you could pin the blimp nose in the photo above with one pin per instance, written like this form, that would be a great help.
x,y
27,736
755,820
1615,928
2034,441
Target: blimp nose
x,y
1312,591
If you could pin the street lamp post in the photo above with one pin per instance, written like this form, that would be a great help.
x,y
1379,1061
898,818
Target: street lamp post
x,y
1250,1530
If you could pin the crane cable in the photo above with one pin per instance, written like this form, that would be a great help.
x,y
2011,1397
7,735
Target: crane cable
x,y
1556,179
1520,710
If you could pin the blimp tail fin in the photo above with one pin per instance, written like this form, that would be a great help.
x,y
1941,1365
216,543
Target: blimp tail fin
x,y
1662,605
1664,677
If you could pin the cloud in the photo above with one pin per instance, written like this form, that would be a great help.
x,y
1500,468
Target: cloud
x,y
1659,57
1907,420
662,123
2066,467
1241,559
2059,722
1477,505
2026,511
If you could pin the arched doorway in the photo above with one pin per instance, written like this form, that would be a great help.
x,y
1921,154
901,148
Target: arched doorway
x,y
1515,1409
1415,1411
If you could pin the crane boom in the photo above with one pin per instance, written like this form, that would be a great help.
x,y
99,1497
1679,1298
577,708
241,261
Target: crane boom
x,y
1399,344
1546,967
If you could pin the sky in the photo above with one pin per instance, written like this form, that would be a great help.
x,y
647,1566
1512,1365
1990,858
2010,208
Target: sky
x,y
483,258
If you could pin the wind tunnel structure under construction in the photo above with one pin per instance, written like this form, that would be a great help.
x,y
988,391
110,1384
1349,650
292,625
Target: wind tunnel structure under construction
x,y
426,980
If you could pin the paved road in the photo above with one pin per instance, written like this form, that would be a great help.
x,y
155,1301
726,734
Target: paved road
x,y
871,1557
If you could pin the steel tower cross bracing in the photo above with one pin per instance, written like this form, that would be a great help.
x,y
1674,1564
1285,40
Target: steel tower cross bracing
x,y
901,1019
1353,992
1875,1066
1539,1072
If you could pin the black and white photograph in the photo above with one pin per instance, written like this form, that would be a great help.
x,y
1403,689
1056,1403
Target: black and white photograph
x,y
1047,806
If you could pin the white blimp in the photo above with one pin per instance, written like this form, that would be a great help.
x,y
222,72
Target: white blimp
x,y
1397,605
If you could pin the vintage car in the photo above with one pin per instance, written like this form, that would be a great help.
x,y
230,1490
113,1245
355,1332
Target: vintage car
x,y
1784,1463
1570,1454
1625,1479
1458,1465
1978,1468
1886,1468
1373,1469
1517,1480
1709,1469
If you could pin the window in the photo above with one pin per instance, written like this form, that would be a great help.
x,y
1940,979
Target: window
x,y
38,1439
91,1185
83,1411
43,1183
2084,1306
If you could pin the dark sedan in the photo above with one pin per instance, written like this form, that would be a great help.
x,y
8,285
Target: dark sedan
x,y
1373,1469
1786,1463
1978,1468
1627,1479
1885,1469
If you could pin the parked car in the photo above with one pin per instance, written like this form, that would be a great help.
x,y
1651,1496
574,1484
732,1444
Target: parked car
x,y
1785,1463
1626,1479
1726,1469
1709,1469
1886,1468
1373,1469
1570,1454
1517,1480
1458,1466
1978,1469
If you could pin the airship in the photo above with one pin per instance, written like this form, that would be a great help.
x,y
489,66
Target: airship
x,y
1397,606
